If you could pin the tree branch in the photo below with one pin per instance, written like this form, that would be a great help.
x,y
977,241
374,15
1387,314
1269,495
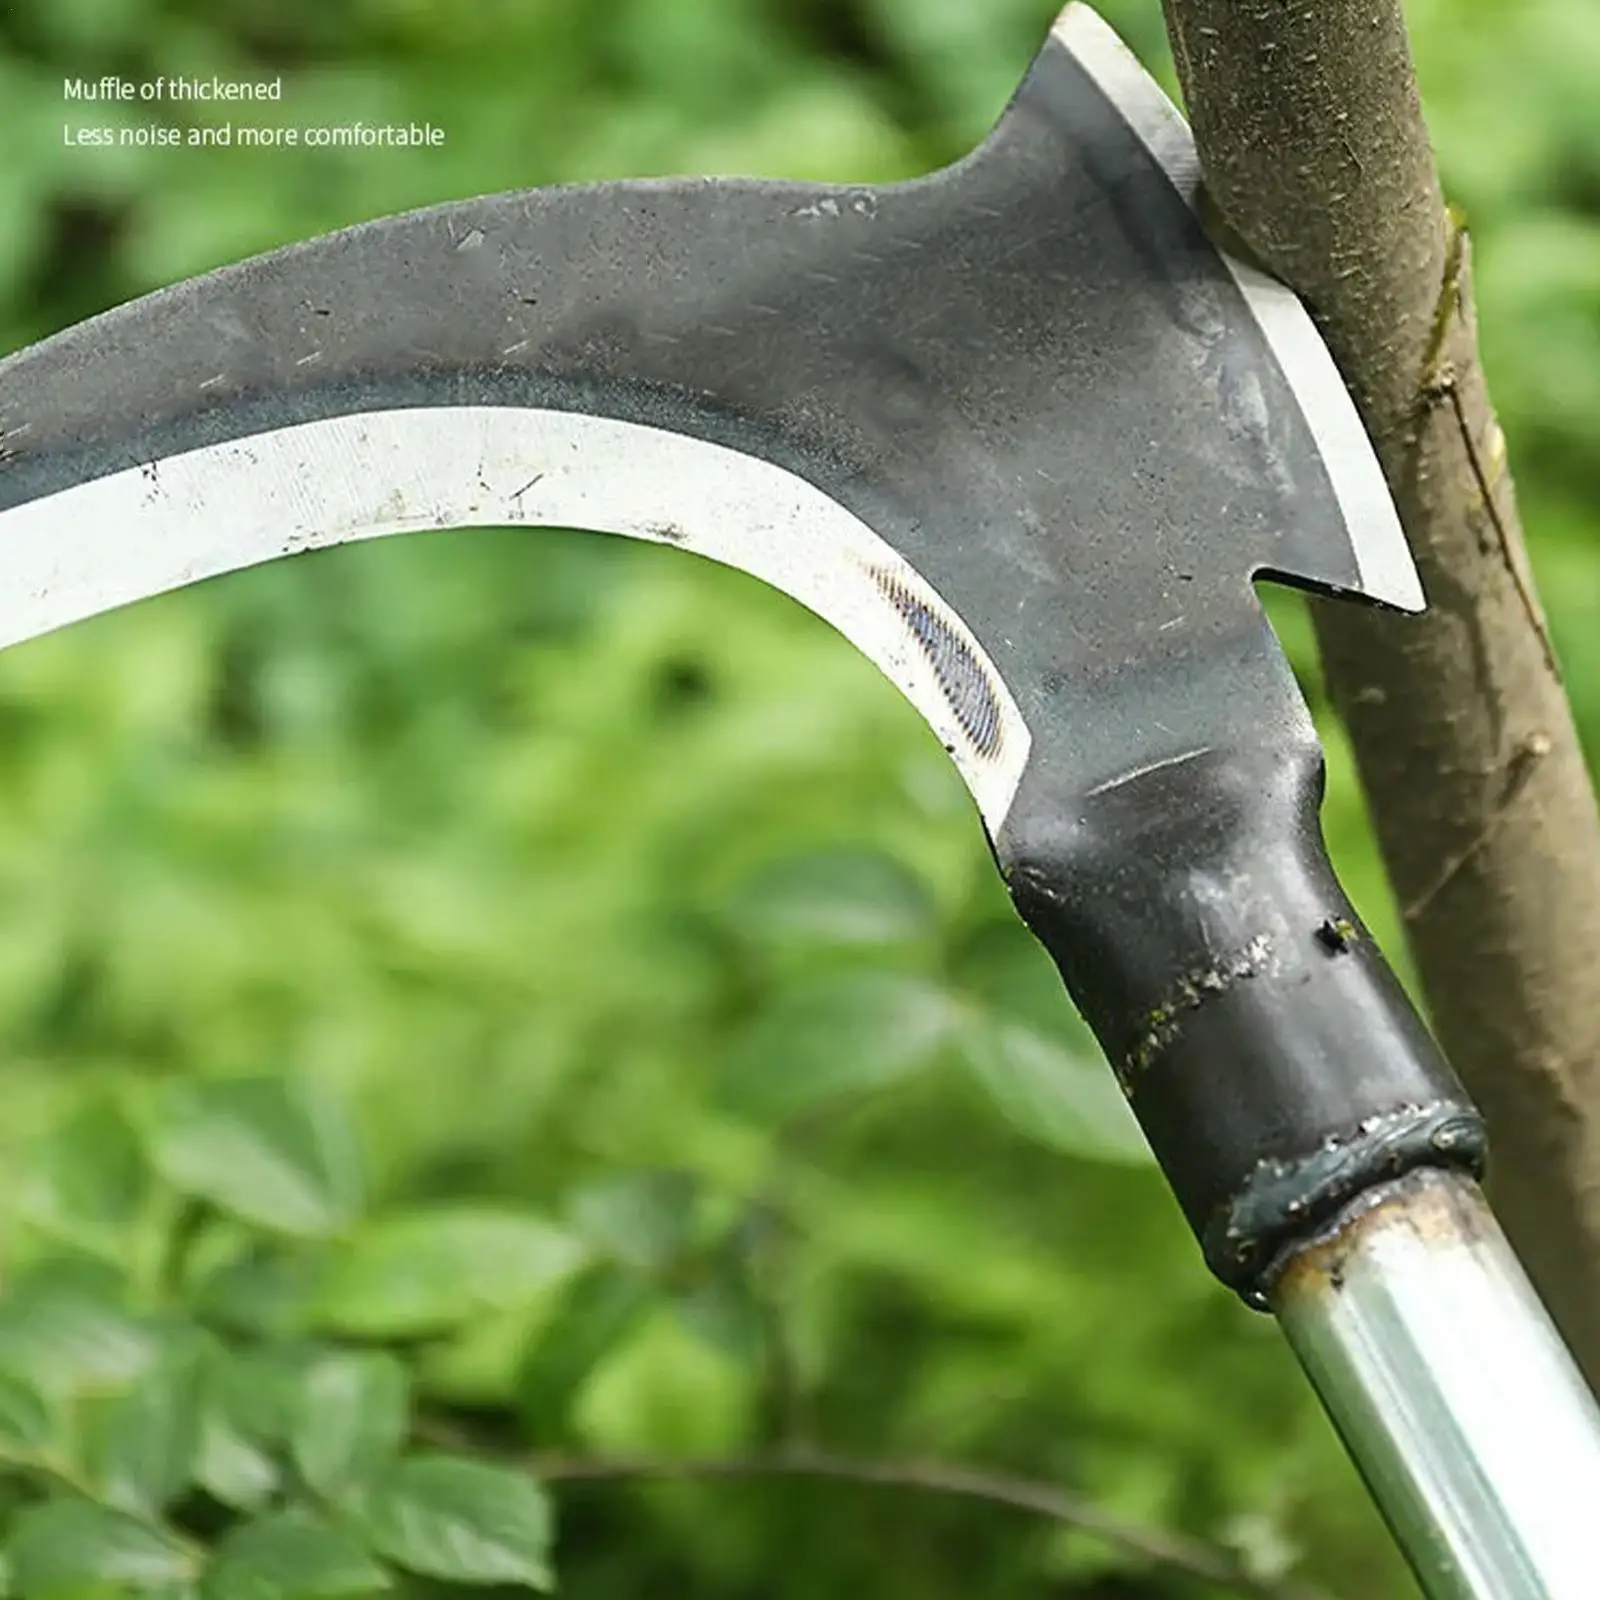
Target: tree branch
x,y
1174,1551
1170,1550
1311,136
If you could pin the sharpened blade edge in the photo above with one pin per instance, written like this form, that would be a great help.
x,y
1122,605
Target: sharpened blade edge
x,y
1383,558
139,532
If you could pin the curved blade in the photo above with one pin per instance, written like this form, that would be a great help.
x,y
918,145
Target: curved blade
x,y
1017,429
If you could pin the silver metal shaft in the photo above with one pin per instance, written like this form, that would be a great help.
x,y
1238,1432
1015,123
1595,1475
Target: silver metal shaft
x,y
1453,1392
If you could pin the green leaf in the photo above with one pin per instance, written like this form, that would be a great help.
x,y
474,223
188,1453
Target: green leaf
x,y
67,1545
351,1419
645,1219
462,1521
247,1402
64,1333
256,1392
840,898
833,1036
259,1294
25,1422
1025,1043
720,1303
429,1271
1002,969
275,1152
724,1312
290,1554
141,1446
1053,1094
89,1180
232,1468
601,1308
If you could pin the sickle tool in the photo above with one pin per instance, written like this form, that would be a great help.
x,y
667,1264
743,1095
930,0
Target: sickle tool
x,y
1023,434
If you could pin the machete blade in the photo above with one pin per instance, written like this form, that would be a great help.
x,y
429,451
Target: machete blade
x,y
1018,429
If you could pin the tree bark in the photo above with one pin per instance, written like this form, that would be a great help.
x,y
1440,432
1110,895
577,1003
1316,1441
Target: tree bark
x,y
1316,158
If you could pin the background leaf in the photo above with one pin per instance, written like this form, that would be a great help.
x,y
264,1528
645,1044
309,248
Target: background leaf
x,y
65,1332
1052,1093
231,1468
645,1219
279,1154
264,1292
25,1424
256,1392
462,1521
71,1545
1003,971
88,1181
597,1313
833,1036
432,1270
143,1443
290,1554
351,1419
839,898
1024,1043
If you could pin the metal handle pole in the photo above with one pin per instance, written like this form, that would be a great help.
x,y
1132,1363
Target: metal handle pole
x,y
1453,1392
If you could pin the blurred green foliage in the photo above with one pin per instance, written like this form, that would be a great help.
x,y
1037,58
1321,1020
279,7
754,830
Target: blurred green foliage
x,y
707,1096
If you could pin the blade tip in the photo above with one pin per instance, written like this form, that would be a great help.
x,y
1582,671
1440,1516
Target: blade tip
x,y
1388,571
